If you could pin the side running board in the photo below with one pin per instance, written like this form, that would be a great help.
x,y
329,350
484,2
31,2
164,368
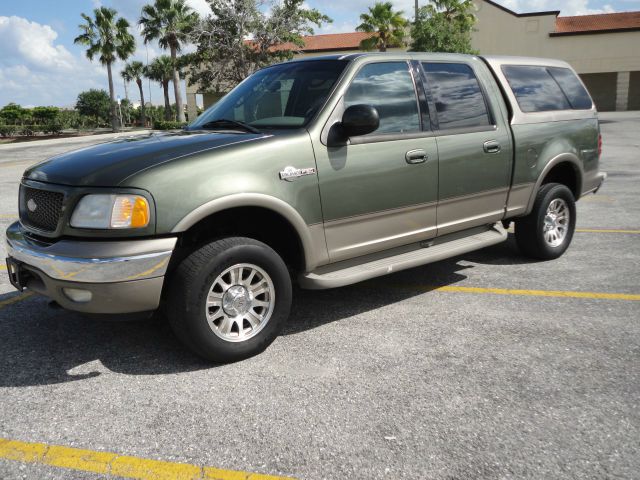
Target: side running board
x,y
370,266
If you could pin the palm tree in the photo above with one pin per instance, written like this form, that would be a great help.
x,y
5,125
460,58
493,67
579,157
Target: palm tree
x,y
107,37
387,27
169,22
161,71
134,71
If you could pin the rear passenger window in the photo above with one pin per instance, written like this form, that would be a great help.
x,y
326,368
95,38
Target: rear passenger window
x,y
535,89
459,100
389,88
572,87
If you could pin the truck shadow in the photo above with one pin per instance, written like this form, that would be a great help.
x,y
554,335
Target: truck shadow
x,y
42,346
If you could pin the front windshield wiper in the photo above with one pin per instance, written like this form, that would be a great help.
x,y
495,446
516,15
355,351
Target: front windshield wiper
x,y
225,123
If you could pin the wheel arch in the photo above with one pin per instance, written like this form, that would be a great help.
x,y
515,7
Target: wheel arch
x,y
565,169
312,249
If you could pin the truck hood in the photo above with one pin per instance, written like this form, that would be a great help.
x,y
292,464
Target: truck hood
x,y
109,164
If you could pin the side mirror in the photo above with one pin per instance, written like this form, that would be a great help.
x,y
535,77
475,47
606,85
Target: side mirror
x,y
360,120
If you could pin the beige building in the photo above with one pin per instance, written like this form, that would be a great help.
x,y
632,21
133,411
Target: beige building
x,y
604,49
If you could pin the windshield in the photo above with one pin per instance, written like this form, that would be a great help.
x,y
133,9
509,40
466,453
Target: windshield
x,y
283,96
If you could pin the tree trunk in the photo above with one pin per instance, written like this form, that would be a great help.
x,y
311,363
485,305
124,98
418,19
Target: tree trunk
x,y
167,102
176,85
143,116
114,118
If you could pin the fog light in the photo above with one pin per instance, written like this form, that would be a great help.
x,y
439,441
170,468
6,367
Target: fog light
x,y
78,295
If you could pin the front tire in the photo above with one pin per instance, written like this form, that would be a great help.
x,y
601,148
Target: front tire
x,y
229,299
547,231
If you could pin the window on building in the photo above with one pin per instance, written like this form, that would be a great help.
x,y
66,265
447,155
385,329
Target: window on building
x,y
389,88
458,97
535,89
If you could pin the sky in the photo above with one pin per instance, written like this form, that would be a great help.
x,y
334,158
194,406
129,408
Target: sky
x,y
40,65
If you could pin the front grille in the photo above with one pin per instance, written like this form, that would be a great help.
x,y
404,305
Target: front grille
x,y
40,209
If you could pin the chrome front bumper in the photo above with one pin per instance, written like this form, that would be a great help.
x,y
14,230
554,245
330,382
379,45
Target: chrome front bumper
x,y
123,276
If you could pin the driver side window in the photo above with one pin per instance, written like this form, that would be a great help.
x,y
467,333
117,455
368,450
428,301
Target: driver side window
x,y
389,88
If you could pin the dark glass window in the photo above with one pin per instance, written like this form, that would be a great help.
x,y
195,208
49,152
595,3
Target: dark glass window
x,y
572,87
457,95
535,89
287,95
389,88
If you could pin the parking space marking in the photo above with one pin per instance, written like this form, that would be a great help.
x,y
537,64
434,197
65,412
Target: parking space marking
x,y
122,466
15,299
538,293
605,230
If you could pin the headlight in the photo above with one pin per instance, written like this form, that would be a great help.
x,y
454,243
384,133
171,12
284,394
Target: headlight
x,y
111,211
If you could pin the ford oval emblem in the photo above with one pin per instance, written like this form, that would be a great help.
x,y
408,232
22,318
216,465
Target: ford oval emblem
x,y
32,205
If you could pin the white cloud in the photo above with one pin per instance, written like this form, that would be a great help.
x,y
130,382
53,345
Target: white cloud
x,y
33,44
200,6
32,62
335,27
35,70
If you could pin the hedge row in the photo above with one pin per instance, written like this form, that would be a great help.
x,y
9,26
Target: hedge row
x,y
30,130
168,125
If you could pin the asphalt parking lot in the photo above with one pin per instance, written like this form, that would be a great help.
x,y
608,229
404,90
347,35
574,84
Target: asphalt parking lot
x,y
484,366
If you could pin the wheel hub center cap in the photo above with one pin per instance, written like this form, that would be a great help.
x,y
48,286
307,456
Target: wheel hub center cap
x,y
236,301
550,222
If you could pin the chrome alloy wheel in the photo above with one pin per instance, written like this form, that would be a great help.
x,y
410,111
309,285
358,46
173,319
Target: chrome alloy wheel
x,y
240,302
556,222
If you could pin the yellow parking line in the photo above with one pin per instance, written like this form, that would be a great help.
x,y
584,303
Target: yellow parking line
x,y
15,299
604,230
118,465
538,293
8,216
3,266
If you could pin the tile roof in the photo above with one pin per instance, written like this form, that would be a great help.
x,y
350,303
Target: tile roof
x,y
330,42
601,23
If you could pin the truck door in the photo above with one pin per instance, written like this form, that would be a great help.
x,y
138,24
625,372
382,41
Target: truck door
x,y
379,190
474,145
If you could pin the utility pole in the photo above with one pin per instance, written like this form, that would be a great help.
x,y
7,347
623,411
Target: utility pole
x,y
415,19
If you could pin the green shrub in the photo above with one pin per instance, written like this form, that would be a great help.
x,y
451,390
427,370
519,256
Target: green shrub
x,y
168,125
8,130
54,128
29,130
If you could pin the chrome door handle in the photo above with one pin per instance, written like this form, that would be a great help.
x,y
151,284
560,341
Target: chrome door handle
x,y
416,156
492,146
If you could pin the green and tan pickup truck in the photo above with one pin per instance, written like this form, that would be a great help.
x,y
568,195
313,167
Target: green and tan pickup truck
x,y
325,171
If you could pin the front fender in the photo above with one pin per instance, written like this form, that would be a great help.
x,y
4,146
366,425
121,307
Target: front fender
x,y
311,236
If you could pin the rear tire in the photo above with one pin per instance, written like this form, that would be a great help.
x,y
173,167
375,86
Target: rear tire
x,y
547,231
229,299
